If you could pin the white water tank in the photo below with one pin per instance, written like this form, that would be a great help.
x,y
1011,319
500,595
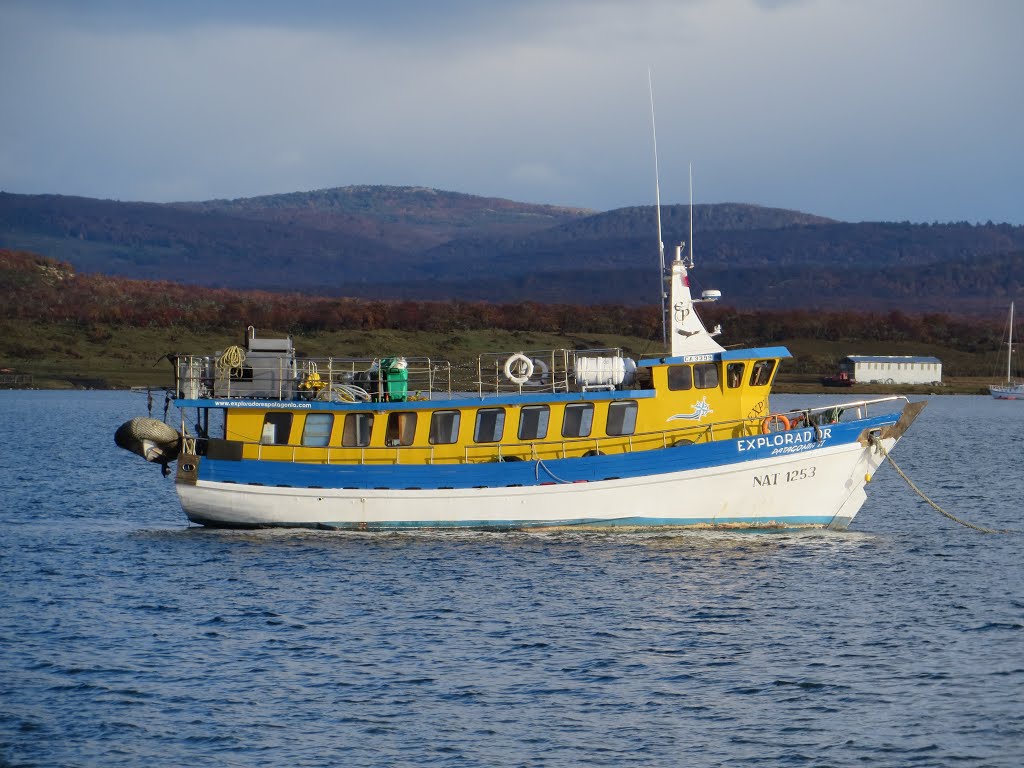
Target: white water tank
x,y
604,371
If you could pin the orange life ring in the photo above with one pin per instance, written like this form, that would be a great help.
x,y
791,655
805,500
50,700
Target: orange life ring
x,y
775,418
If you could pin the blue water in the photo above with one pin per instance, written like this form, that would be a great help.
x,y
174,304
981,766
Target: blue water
x,y
128,638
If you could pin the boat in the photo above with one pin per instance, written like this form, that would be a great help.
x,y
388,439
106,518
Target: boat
x,y
1013,389
519,439
840,379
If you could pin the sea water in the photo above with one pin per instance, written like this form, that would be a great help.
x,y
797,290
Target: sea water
x,y
129,638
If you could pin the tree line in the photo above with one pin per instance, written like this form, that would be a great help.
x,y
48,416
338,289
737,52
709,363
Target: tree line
x,y
37,289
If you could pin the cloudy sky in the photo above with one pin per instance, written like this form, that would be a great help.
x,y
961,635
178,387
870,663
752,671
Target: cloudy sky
x,y
855,109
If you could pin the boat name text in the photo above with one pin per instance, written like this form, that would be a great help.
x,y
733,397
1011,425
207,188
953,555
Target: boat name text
x,y
784,442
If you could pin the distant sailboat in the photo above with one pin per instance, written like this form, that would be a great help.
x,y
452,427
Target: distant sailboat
x,y
1013,389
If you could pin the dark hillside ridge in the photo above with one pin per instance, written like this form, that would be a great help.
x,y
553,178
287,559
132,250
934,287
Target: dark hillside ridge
x,y
401,217
417,243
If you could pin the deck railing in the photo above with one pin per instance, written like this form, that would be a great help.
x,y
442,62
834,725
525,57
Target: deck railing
x,y
234,374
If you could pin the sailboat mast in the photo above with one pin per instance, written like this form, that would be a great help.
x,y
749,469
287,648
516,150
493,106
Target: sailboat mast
x,y
1009,350
657,213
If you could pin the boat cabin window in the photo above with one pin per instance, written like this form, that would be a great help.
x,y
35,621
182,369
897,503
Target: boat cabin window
x,y
761,373
401,428
621,418
533,422
734,375
705,375
358,427
578,419
490,425
317,429
444,427
276,428
680,377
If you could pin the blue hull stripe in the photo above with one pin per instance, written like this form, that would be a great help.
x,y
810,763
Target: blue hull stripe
x,y
733,523
532,473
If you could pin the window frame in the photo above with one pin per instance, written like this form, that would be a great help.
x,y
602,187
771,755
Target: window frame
x,y
400,430
671,377
705,375
543,418
588,418
498,430
632,407
730,370
280,420
323,439
347,433
451,431
759,366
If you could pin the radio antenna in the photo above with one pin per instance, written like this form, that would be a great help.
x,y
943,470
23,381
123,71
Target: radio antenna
x,y
691,216
657,213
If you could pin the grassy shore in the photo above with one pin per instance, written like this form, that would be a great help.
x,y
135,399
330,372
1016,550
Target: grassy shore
x,y
62,356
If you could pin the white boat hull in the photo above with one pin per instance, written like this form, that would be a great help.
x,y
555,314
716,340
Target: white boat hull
x,y
820,488
1007,392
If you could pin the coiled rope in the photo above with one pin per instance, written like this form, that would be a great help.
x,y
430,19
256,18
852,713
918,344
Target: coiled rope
x,y
231,360
878,444
343,393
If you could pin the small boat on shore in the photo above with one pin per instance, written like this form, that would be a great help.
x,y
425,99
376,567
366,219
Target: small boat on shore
x,y
1013,388
520,439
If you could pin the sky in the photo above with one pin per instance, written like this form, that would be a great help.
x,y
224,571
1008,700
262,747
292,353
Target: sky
x,y
860,110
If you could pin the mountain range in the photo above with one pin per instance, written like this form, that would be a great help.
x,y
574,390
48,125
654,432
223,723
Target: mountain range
x,y
420,243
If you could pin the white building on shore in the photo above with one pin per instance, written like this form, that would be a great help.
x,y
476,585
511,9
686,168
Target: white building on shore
x,y
892,369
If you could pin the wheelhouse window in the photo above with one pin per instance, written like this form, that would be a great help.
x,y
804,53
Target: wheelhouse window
x,y
358,427
680,377
401,428
490,425
761,373
276,428
317,429
578,420
621,418
444,427
734,375
705,375
533,422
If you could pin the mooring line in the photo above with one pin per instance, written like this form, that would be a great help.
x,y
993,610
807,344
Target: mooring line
x,y
536,472
878,444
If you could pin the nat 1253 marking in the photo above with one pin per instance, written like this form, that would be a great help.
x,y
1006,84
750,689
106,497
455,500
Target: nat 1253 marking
x,y
790,476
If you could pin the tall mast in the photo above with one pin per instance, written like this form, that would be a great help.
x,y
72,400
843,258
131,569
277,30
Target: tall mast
x,y
1009,350
657,213
690,238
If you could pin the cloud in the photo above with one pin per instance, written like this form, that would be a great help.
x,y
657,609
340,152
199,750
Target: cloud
x,y
854,110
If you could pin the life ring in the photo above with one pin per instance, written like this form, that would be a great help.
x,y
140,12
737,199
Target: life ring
x,y
777,420
541,370
518,368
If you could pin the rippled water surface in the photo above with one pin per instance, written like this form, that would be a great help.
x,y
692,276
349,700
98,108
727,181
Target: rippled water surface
x,y
128,638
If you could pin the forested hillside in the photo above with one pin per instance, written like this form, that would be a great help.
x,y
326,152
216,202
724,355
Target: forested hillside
x,y
424,244
34,289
